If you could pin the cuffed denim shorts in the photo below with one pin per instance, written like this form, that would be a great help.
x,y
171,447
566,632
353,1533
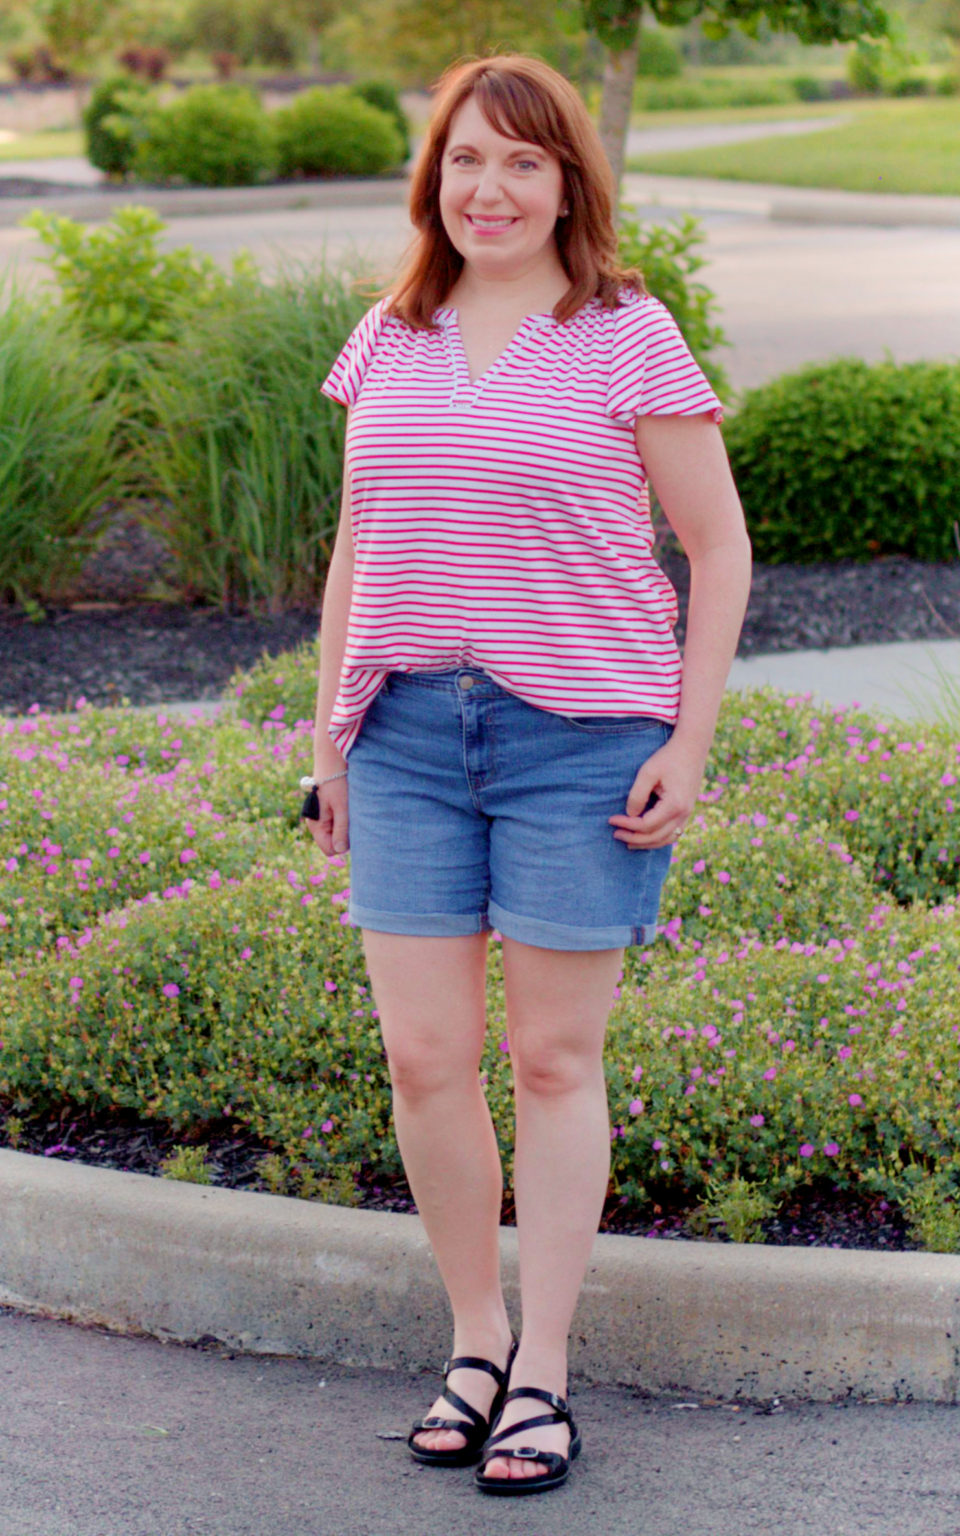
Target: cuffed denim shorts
x,y
471,809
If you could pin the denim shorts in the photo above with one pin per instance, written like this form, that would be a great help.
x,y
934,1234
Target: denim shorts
x,y
471,809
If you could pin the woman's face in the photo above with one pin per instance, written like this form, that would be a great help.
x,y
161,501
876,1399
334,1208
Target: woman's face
x,y
499,198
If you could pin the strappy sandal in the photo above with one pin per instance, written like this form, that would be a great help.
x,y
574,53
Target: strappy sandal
x,y
475,1427
558,1466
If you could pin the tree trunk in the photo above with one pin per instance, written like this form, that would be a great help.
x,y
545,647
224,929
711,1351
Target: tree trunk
x,y
616,102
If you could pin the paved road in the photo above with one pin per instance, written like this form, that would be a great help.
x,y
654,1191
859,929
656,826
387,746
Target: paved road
x,y
103,1435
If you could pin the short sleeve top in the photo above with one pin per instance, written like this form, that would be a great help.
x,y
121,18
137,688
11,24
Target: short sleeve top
x,y
504,523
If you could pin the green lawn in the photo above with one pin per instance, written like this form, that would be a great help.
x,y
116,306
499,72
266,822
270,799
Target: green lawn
x,y
891,146
44,146
795,111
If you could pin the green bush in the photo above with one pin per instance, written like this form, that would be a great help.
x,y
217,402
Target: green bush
x,y
948,85
848,460
329,131
212,136
277,687
110,144
659,57
115,283
810,88
667,256
386,98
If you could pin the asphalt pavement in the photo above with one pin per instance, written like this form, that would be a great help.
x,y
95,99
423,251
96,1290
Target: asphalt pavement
x,y
108,1435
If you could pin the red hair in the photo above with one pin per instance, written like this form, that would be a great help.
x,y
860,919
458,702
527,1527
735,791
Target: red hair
x,y
525,99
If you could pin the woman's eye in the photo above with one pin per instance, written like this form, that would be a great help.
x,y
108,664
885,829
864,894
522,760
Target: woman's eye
x,y
528,165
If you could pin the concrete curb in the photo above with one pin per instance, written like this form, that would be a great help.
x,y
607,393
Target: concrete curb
x,y
270,1275
180,202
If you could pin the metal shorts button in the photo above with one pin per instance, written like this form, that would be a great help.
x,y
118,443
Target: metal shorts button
x,y
467,682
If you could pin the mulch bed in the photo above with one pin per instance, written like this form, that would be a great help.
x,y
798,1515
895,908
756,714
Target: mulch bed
x,y
154,652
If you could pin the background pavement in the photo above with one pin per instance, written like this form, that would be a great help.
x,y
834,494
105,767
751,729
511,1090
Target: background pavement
x,y
799,275
103,1435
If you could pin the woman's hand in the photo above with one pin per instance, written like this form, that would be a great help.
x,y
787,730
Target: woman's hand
x,y
674,775
332,832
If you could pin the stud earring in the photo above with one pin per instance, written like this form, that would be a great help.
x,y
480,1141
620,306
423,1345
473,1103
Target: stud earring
x,y
564,211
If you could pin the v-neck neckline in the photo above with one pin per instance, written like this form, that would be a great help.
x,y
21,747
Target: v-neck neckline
x,y
464,385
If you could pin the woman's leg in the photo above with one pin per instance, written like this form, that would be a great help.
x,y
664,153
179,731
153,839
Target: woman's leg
x,y
431,997
558,1003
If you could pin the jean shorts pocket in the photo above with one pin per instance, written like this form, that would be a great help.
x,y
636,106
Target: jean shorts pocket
x,y
614,725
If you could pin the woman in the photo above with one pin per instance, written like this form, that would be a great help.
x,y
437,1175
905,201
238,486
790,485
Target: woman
x,y
498,668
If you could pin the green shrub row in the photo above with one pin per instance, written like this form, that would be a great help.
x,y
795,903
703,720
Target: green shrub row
x,y
850,460
220,135
795,1020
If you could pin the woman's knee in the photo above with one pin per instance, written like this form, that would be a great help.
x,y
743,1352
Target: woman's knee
x,y
551,1067
420,1068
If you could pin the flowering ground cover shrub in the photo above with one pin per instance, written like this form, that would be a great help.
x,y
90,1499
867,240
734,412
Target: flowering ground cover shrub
x,y
796,1018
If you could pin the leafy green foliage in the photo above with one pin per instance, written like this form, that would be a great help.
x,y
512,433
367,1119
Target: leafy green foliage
x,y
108,118
117,285
814,21
221,979
668,257
659,57
212,136
850,460
330,131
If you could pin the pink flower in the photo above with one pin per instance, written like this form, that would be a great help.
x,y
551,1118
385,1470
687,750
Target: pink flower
x,y
807,1149
757,1120
246,953
658,1146
186,855
76,982
637,1074
700,866
723,876
330,986
770,1074
830,1148
170,989
327,1125
636,1106
854,1099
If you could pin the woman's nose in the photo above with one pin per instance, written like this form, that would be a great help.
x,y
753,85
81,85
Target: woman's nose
x,y
489,185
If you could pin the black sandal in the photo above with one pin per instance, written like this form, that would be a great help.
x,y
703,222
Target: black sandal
x,y
475,1427
558,1465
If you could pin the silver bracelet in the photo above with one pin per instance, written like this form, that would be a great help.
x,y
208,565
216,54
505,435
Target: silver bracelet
x,y
307,783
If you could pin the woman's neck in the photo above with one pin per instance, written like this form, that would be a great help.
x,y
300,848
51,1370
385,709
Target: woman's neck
x,y
528,293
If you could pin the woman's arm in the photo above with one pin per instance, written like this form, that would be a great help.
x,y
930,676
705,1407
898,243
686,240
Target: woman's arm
x,y
687,465
331,832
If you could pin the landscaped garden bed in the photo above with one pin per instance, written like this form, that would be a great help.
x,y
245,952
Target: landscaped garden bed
x,y
176,952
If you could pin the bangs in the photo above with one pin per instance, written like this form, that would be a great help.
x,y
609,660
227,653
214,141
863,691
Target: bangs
x,y
517,110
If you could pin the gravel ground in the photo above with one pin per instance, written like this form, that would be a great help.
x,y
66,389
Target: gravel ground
x,y
152,652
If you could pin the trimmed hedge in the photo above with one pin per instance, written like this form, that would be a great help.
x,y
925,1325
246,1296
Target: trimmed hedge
x,y
330,131
212,136
849,460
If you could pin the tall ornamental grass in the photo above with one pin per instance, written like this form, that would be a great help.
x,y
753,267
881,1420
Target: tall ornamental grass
x,y
174,944
242,446
59,458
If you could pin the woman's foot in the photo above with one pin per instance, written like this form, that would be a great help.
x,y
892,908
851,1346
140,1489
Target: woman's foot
x,y
546,1437
478,1388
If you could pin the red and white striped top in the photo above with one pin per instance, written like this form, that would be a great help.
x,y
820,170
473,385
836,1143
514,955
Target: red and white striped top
x,y
505,523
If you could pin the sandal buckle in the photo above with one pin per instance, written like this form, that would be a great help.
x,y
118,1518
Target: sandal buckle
x,y
529,1452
